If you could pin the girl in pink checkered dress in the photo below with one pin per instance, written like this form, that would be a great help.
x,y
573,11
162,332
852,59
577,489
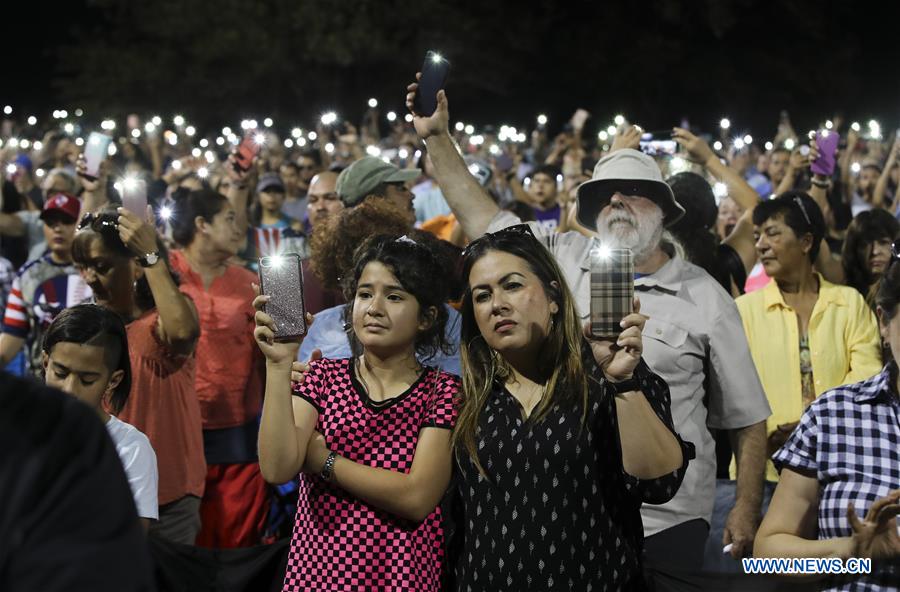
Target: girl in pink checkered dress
x,y
369,435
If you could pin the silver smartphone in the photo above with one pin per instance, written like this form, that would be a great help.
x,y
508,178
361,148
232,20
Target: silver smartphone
x,y
281,279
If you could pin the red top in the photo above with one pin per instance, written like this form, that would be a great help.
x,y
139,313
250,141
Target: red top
x,y
230,367
163,405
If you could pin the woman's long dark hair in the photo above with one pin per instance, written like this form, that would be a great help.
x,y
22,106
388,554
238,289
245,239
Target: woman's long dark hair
x,y
559,357
866,228
90,324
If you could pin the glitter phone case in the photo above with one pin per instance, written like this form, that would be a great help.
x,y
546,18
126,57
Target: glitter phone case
x,y
612,290
281,278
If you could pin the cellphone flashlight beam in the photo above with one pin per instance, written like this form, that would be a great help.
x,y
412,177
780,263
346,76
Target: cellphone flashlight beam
x,y
373,103
165,212
259,139
542,119
725,123
436,58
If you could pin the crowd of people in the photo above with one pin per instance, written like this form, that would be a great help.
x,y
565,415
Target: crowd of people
x,y
449,421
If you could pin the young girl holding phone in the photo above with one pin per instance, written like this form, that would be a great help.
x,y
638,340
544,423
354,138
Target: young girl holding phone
x,y
371,434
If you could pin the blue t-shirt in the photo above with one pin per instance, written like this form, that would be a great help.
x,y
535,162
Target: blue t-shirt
x,y
327,334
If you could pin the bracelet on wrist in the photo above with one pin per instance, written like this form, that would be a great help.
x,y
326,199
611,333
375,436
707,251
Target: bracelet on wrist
x,y
328,468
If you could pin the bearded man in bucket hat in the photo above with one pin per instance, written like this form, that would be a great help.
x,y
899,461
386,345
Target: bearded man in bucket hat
x,y
693,338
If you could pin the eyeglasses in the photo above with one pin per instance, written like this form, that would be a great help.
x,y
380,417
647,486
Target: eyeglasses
x,y
514,231
99,222
799,201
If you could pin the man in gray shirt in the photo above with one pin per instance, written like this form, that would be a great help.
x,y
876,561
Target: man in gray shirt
x,y
693,339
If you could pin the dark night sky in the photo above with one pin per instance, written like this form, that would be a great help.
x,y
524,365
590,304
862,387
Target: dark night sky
x,y
655,61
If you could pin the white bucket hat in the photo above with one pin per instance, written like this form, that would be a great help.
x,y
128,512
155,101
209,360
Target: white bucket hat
x,y
628,172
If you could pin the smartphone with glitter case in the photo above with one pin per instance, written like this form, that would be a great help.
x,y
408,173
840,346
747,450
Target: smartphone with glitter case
x,y
612,290
281,279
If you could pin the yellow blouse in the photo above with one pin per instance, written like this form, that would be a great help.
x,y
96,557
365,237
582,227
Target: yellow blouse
x,y
844,345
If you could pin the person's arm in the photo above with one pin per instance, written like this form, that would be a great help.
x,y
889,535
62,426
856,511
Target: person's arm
x,y
650,448
749,445
700,152
468,200
411,495
287,421
239,193
790,526
878,198
11,225
10,346
797,163
95,194
179,325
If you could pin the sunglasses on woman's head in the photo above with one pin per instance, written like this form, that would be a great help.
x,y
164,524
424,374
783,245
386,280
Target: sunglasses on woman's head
x,y
99,222
516,230
799,202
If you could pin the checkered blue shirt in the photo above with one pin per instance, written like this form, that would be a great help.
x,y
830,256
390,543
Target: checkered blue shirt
x,y
850,439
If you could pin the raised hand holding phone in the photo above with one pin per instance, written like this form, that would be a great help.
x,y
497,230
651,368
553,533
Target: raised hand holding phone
x,y
438,123
435,69
95,152
827,144
279,353
281,279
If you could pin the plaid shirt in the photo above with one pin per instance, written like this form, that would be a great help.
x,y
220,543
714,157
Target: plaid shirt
x,y
850,438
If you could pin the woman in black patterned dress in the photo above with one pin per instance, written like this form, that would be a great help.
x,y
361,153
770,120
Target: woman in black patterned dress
x,y
559,440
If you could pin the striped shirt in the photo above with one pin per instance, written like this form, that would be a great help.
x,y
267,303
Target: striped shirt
x,y
40,291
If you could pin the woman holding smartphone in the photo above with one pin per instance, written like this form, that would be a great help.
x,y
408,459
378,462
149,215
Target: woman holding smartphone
x,y
560,439
369,434
122,259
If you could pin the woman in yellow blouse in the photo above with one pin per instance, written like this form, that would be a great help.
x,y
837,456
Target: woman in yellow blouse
x,y
806,334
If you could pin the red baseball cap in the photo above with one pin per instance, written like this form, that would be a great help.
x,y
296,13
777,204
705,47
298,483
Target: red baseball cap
x,y
62,203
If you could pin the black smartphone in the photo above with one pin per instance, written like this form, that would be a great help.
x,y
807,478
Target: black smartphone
x,y
658,143
434,76
281,279
612,290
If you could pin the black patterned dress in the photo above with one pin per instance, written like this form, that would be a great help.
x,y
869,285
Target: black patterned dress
x,y
557,511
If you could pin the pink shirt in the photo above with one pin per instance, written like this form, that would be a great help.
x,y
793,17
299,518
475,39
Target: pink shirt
x,y
340,542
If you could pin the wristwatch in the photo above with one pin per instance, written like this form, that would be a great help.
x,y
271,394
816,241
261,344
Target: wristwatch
x,y
149,260
328,468
626,386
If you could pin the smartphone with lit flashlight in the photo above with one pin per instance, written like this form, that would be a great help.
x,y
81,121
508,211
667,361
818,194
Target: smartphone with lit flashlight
x,y
658,143
247,150
827,143
134,196
96,150
612,290
434,76
281,279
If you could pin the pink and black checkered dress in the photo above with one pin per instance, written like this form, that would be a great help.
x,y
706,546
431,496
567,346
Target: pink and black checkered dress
x,y
340,542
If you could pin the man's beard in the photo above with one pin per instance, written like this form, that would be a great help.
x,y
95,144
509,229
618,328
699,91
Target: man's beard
x,y
623,231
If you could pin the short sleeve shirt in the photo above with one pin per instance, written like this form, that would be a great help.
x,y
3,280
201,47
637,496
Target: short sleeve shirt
x,y
340,542
163,405
848,438
230,368
139,461
40,291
